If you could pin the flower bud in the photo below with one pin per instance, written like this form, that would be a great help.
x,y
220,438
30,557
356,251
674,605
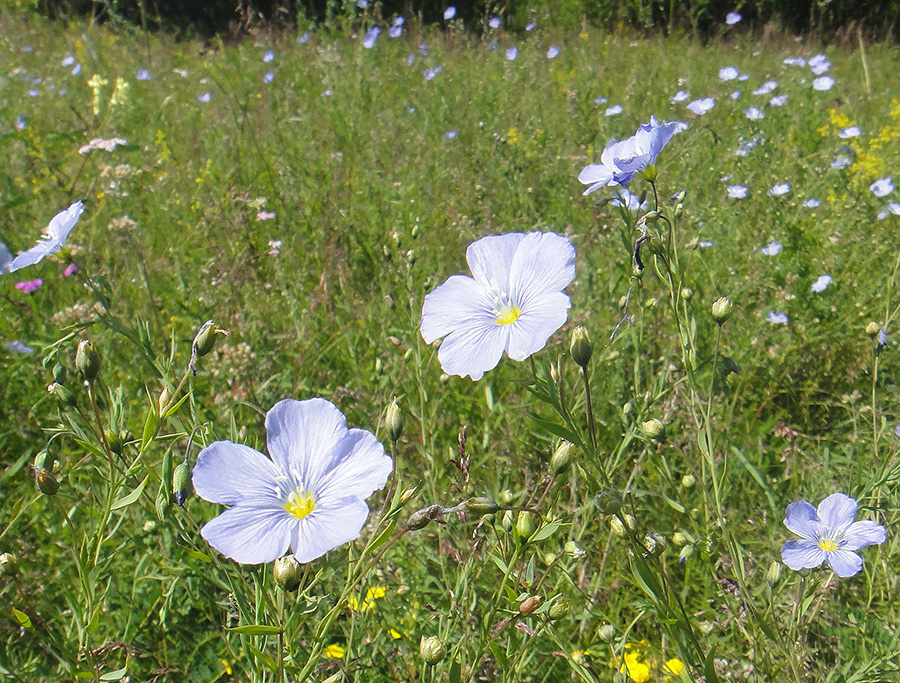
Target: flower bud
x,y
422,518
8,564
562,457
681,538
608,501
287,573
432,649
656,245
42,461
149,526
163,400
559,608
872,329
407,494
162,503
654,429
606,632
685,553
529,605
687,293
47,483
181,483
651,217
87,360
526,525
655,543
618,527
581,347
205,341
60,373
721,309
480,505
688,480
506,521
506,497
115,441
678,196
774,573
393,422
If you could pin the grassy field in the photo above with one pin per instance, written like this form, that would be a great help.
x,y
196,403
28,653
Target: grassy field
x,y
305,193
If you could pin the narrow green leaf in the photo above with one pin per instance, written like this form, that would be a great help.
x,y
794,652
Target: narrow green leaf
x,y
115,675
382,537
22,618
269,663
256,630
455,672
502,661
756,475
546,531
674,504
131,497
709,667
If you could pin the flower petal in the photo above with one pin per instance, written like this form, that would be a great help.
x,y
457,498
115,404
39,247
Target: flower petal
x,y
490,259
801,518
450,306
802,554
837,512
539,320
360,467
844,562
861,534
302,435
595,175
474,349
251,534
331,524
544,262
227,473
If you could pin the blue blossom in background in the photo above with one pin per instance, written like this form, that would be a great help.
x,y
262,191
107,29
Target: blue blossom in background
x,y
512,303
829,534
812,203
269,77
205,97
773,248
449,13
531,26
820,284
849,132
395,31
552,52
882,338
142,75
680,96
494,23
68,60
882,187
5,258
795,61
512,53
370,37
777,318
779,190
766,88
728,73
268,56
701,106
613,110
737,191
735,95
304,38
778,101
823,83
17,347
450,135
841,163
754,114
732,18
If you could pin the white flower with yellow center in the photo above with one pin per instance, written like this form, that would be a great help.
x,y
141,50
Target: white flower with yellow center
x,y
513,302
310,496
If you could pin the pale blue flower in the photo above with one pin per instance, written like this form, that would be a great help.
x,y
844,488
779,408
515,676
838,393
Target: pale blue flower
x,y
728,73
613,110
732,18
819,64
362,4
600,100
205,97
55,235
778,101
269,77
621,160
531,26
494,23
370,37
829,534
882,338
680,96
820,284
143,75
735,95
5,258
77,69
33,92
20,122
512,53
882,187
841,163
268,56
552,52
68,60
625,197
395,31
773,248
795,61
777,318
410,59
449,13
894,208
823,83
16,346
701,106
737,191
812,203
754,114
766,88
705,244
849,132
398,21
513,302
304,38
779,189
309,495
450,135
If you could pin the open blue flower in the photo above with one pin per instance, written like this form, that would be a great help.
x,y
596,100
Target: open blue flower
x,y
54,237
310,496
620,161
513,303
828,534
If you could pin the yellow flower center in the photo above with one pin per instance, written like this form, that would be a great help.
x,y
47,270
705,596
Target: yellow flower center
x,y
827,544
300,503
508,314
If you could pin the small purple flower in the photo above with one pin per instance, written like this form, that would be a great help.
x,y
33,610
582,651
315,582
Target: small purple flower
x,y
829,534
777,318
701,106
68,60
811,203
849,132
371,37
795,61
841,163
143,75
754,114
269,77
732,18
613,110
494,23
17,347
820,284
882,338
304,38
395,31
778,101
205,97
71,269
766,88
512,53
680,96
269,56
28,286
449,13
735,95
77,69
450,135
33,92
531,26
882,187
552,52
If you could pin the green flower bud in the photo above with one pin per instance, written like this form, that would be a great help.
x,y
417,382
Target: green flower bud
x,y
581,347
287,573
529,605
608,501
687,293
407,494
506,521
678,197
872,329
685,553
87,360
721,309
559,608
47,483
656,245
9,563
42,461
181,483
149,526
654,429
63,395
655,543
651,217
681,538
650,173
526,525
618,527
431,649
506,497
606,632
774,573
115,441
480,505
205,341
688,480
60,373
422,518
162,503
393,422
562,457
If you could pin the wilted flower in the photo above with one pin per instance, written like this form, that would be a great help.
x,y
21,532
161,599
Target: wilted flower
x,y
54,237
621,160
828,534
513,303
310,496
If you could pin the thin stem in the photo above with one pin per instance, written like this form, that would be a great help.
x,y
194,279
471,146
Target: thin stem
x,y
590,411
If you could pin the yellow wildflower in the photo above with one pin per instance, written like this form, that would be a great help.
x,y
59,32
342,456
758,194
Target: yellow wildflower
x,y
673,667
334,652
637,671
372,594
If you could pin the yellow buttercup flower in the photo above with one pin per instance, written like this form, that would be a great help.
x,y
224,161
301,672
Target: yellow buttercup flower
x,y
372,594
637,671
673,667
334,652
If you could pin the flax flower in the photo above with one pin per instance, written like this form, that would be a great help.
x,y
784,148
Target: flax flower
x,y
54,237
513,302
828,534
310,496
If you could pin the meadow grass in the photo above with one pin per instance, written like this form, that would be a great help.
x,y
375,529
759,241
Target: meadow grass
x,y
309,216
